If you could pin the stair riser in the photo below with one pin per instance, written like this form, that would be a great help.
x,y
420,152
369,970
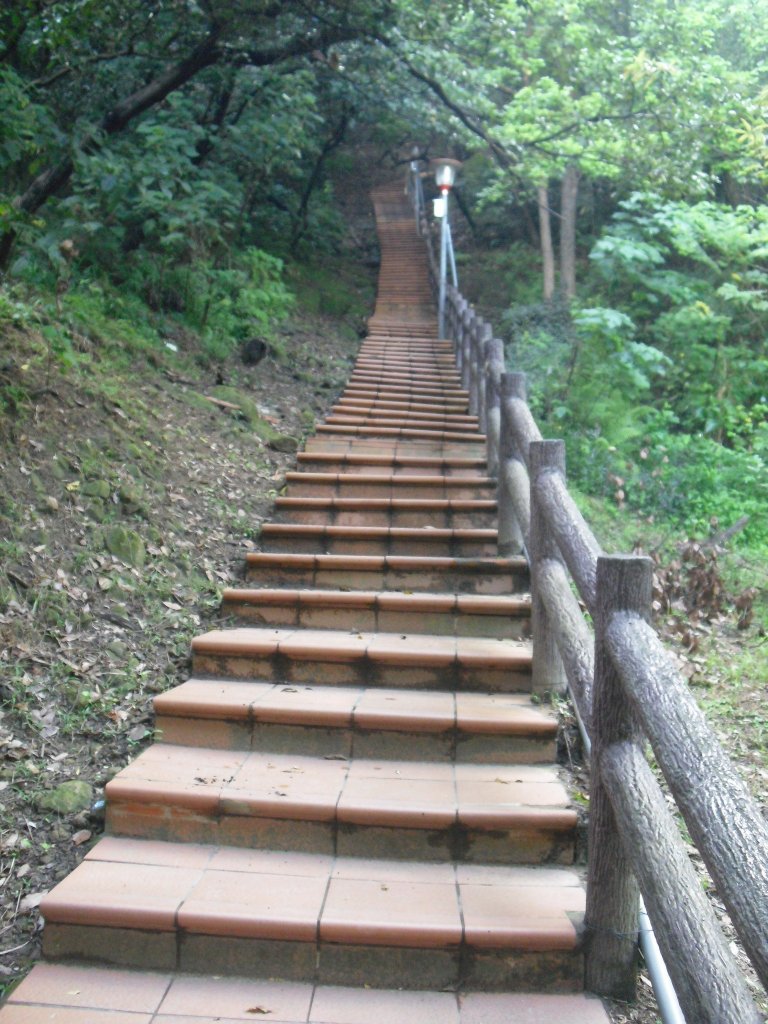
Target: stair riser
x,y
282,738
445,519
362,671
331,964
422,546
375,620
442,581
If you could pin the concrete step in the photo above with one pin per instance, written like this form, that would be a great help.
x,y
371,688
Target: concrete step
x,y
110,995
381,611
336,921
361,658
356,721
501,576
379,540
422,513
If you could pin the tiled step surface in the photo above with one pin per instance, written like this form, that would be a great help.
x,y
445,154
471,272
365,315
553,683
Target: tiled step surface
x,y
351,814
341,459
389,485
106,995
500,576
462,513
382,611
379,540
356,721
340,920
327,803
332,657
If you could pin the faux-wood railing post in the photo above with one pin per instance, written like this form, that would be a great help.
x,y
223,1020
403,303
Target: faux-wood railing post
x,y
452,303
548,672
458,345
494,370
483,360
623,584
478,334
510,531
467,327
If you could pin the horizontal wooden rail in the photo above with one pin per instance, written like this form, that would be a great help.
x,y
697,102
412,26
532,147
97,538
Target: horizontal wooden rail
x,y
726,825
626,690
687,928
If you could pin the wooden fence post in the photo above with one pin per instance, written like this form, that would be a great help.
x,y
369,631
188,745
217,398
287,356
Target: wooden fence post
x,y
623,584
510,531
548,671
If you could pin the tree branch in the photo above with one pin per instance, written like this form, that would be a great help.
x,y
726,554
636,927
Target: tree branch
x,y
43,83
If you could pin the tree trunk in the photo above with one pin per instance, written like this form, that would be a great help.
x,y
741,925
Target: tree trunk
x,y
568,203
335,140
547,253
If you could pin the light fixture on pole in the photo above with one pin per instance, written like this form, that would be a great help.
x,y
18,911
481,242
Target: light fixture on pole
x,y
445,176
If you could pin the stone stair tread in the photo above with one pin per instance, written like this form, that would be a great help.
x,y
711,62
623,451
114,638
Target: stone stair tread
x,y
378,647
268,894
366,707
81,994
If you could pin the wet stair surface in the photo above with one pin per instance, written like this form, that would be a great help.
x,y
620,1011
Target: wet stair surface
x,y
351,813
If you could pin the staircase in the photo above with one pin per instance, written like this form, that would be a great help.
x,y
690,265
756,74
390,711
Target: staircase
x,y
351,813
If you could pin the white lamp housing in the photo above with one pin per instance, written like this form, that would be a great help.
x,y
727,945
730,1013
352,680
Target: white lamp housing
x,y
445,172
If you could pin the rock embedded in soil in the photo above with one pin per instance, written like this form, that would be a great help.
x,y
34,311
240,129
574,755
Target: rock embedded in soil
x,y
67,798
96,489
283,443
126,545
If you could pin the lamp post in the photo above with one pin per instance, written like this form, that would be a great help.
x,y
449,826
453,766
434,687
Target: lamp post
x,y
445,175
